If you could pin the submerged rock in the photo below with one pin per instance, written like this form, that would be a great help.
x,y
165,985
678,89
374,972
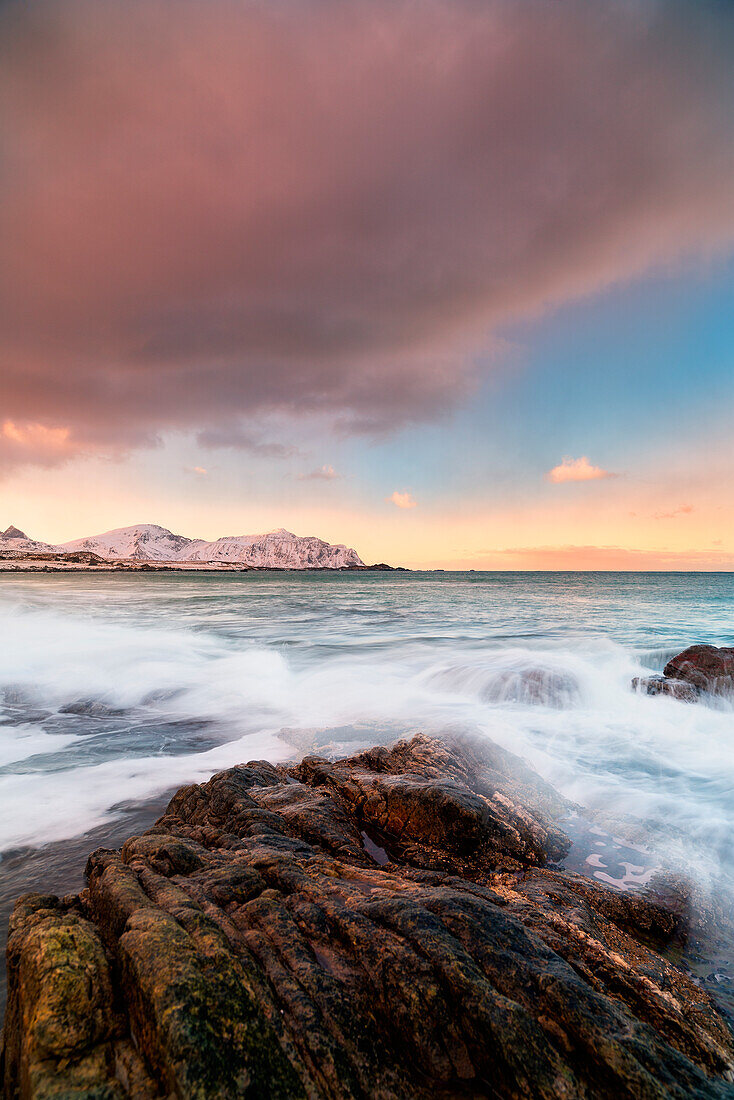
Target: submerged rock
x,y
660,685
384,926
91,708
533,687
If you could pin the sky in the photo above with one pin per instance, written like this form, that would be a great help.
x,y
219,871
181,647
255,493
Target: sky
x,y
450,282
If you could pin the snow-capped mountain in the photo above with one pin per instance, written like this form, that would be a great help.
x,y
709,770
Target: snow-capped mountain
x,y
17,541
144,542
279,549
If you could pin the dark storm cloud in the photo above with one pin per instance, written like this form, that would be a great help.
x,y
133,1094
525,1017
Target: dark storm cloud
x,y
212,210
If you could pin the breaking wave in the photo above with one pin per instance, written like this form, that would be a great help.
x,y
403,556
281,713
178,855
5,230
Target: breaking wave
x,y
112,697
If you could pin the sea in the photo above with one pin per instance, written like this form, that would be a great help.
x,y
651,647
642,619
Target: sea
x,y
116,689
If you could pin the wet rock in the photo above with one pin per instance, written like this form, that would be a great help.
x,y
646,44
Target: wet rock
x,y
252,944
661,685
446,806
533,687
698,670
15,695
91,708
64,1036
706,667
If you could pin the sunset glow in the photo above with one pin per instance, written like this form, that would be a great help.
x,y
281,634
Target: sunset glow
x,y
455,290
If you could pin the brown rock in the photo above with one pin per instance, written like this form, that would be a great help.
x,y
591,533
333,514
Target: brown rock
x,y
61,1009
706,667
384,927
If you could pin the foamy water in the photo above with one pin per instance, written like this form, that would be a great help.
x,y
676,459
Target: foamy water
x,y
118,688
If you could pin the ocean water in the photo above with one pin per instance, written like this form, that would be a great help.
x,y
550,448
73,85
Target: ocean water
x,y
116,689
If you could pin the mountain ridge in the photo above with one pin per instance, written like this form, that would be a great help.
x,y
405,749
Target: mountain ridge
x,y
12,538
149,542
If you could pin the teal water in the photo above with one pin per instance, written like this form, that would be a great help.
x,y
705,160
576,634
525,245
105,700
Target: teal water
x,y
117,688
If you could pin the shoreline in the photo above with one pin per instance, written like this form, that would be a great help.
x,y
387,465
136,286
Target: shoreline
x,y
57,565
34,565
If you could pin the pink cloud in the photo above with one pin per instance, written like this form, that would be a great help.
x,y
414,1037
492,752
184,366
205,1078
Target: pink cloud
x,y
30,443
577,469
402,500
592,557
214,211
683,510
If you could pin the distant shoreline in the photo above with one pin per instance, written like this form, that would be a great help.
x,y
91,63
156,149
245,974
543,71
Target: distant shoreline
x,y
80,563
34,566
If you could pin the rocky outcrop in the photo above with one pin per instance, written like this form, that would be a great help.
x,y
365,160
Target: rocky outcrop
x,y
698,670
379,567
707,668
386,926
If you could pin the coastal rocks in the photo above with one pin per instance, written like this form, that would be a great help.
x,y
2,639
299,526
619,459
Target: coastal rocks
x,y
380,567
659,685
385,926
62,1004
706,667
700,669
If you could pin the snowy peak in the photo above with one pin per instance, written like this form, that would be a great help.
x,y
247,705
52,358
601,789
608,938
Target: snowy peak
x,y
143,542
15,541
279,549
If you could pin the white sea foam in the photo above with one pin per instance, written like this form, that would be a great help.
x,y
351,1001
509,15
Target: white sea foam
x,y
37,807
20,742
203,683
52,659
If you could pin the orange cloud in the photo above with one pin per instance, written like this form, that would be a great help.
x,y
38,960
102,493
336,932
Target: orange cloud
x,y
577,469
684,510
35,435
31,443
590,558
402,500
